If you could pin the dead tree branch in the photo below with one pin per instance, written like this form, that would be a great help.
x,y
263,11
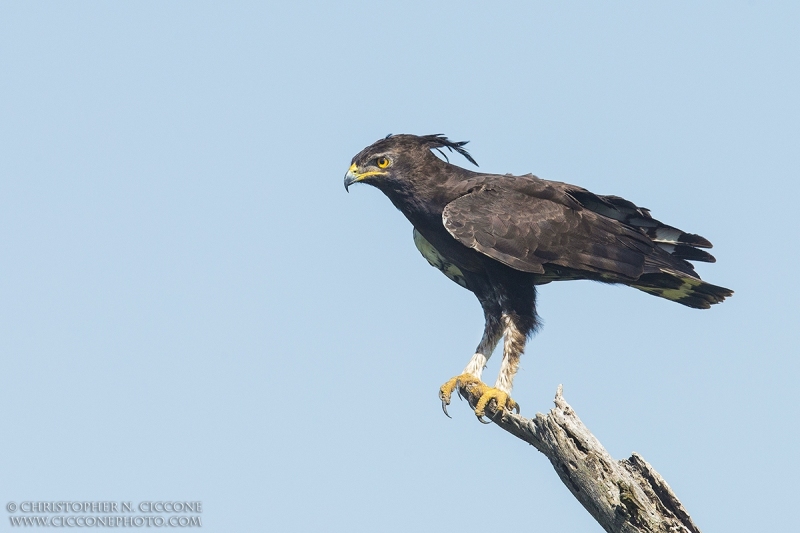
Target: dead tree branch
x,y
626,496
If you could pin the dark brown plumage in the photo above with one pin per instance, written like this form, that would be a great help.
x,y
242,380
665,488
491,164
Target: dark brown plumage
x,y
501,235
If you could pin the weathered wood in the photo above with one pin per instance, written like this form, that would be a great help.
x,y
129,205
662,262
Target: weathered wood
x,y
626,496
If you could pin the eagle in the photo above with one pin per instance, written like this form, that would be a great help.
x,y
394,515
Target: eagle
x,y
500,236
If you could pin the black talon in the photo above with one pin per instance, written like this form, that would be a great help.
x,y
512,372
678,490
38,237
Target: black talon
x,y
445,401
516,408
482,421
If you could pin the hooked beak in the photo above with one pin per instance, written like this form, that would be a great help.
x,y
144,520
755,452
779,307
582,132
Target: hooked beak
x,y
351,177
354,176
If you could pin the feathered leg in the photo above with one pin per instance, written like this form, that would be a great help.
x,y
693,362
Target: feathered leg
x,y
492,333
512,316
516,331
519,320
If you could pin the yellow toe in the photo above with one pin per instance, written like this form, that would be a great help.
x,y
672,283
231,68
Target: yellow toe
x,y
464,380
502,401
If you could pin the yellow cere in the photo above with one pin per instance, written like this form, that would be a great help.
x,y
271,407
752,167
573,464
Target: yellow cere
x,y
360,176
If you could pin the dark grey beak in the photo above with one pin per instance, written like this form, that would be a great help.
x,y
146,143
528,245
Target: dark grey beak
x,y
349,179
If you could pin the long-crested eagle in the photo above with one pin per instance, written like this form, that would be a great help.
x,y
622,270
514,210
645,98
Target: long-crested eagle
x,y
502,235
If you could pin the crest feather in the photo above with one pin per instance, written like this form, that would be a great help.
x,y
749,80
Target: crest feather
x,y
438,141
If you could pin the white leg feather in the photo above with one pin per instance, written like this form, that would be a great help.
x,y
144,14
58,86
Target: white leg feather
x,y
513,346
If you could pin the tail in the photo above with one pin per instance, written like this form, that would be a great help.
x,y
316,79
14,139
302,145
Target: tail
x,y
668,273
681,287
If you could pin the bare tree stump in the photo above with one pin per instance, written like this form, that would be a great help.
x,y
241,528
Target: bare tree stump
x,y
626,496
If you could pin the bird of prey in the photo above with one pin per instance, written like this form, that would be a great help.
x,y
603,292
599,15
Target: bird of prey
x,y
500,236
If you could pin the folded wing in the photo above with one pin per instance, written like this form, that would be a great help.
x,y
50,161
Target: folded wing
x,y
527,232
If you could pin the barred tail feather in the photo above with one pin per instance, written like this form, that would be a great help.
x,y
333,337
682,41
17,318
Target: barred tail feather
x,y
682,288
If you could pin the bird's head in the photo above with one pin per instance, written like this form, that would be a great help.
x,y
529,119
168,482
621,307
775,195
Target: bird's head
x,y
392,159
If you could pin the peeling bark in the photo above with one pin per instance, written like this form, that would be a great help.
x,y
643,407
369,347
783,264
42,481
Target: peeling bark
x,y
626,496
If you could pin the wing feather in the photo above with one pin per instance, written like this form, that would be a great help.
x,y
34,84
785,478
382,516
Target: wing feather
x,y
527,232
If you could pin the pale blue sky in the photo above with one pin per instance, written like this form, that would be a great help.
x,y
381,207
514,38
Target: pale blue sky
x,y
192,308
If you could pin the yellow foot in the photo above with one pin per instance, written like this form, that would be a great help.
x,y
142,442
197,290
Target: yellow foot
x,y
485,393
501,401
466,380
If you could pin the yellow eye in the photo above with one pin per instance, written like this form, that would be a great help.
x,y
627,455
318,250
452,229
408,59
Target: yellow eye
x,y
383,162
